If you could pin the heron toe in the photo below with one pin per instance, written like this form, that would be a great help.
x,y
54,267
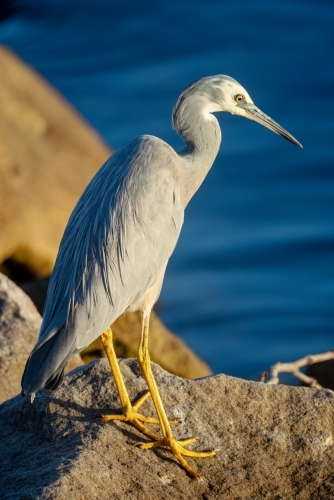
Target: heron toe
x,y
178,450
131,415
134,418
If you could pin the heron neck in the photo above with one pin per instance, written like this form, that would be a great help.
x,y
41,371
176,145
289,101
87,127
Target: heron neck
x,y
202,136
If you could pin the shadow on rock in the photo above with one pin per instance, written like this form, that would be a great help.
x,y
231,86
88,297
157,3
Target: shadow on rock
x,y
274,441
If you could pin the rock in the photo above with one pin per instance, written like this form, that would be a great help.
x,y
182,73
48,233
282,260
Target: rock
x,y
276,442
19,327
48,154
166,349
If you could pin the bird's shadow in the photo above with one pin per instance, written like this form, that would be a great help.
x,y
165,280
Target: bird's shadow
x,y
92,416
50,435
93,424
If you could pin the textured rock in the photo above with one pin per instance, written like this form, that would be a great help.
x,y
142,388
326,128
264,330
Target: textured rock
x,y
19,326
275,442
166,349
48,154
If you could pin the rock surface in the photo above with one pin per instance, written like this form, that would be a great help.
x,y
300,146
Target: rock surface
x,y
276,442
19,327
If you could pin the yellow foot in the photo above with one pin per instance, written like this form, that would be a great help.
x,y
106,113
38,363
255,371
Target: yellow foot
x,y
132,416
178,450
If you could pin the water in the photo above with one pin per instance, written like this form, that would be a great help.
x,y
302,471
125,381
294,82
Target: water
x,y
251,281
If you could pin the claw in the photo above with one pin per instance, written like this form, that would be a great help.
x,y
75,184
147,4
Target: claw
x,y
132,416
178,451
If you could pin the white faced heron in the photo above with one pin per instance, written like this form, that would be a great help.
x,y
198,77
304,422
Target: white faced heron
x,y
116,246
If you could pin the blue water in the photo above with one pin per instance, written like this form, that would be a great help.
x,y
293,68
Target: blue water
x,y
252,279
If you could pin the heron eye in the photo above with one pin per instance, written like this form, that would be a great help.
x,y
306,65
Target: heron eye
x,y
239,98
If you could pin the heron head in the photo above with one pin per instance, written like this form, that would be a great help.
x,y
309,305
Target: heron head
x,y
223,93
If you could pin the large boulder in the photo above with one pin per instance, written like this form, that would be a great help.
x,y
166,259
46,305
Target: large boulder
x,y
19,327
48,154
275,442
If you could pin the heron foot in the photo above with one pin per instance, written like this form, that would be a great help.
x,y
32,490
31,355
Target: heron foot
x,y
178,450
134,418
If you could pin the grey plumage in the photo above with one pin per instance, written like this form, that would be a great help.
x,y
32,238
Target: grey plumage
x,y
118,240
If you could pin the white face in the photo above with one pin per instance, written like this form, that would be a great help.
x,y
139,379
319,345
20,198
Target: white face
x,y
234,95
231,96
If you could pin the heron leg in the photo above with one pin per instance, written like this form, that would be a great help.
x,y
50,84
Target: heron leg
x,y
168,440
130,411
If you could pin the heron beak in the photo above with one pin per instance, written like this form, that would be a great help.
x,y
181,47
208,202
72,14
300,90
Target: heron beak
x,y
254,113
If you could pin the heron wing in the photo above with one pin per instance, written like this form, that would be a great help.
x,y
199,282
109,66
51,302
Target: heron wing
x,y
117,241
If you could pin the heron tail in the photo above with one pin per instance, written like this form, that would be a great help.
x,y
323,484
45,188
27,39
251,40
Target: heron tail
x,y
45,365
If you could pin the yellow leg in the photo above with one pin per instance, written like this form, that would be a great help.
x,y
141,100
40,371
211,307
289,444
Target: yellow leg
x,y
130,413
168,438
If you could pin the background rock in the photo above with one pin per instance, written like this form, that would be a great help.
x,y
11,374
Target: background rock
x,y
19,327
48,154
166,349
276,442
